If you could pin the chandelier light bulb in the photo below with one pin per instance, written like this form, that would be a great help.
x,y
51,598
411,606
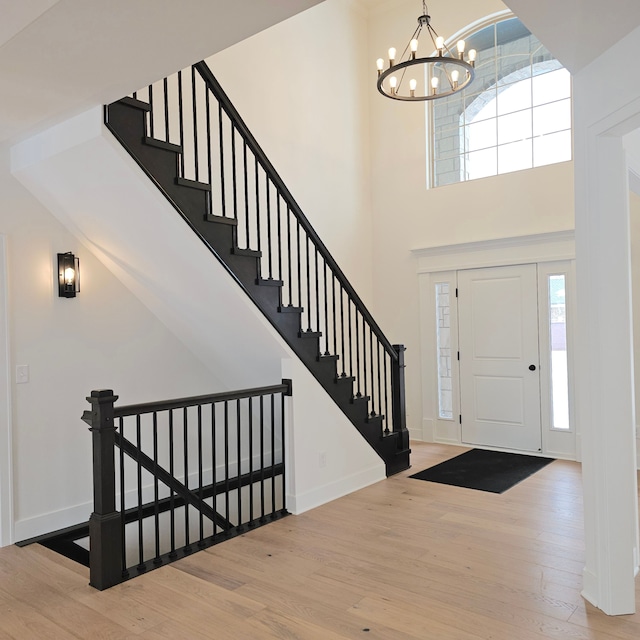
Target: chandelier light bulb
x,y
434,85
413,83
461,46
380,65
393,83
440,44
472,56
455,75
414,48
392,56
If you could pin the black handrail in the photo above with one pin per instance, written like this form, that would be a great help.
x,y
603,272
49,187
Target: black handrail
x,y
180,403
274,176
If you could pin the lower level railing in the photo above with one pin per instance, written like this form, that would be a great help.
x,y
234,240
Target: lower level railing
x,y
175,476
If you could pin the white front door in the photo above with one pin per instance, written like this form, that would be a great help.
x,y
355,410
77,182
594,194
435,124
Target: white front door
x,y
499,358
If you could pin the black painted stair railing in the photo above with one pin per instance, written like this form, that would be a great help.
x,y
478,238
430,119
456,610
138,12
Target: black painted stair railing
x,y
186,135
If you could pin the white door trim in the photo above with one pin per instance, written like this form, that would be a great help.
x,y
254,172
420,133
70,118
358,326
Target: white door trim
x,y
540,247
436,264
6,474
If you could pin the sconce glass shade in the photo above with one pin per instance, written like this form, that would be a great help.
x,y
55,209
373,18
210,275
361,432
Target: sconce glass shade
x,y
68,275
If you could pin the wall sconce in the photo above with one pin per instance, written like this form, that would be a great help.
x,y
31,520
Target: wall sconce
x,y
68,275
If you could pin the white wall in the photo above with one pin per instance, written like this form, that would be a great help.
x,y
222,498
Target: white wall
x,y
408,216
104,338
317,469
302,88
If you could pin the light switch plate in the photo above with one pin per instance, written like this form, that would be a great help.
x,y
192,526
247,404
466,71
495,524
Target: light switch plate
x,y
22,373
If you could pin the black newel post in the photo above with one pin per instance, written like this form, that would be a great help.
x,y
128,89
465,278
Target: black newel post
x,y
105,534
398,398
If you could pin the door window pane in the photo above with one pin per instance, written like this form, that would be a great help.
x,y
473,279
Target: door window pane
x,y
443,328
559,361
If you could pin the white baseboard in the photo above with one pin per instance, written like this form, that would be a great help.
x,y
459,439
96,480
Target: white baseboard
x,y
52,521
589,587
428,430
331,491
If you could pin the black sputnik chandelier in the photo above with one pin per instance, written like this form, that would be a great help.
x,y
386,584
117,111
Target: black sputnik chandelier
x,y
437,76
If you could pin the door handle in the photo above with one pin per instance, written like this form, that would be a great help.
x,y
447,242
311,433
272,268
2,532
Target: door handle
x,y
532,367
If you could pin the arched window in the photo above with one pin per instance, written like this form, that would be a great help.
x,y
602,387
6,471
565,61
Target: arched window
x,y
516,114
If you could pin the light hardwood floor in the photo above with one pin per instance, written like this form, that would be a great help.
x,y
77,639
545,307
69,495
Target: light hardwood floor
x,y
403,559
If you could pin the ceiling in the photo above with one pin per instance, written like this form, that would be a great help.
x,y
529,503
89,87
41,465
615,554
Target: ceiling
x,y
578,31
59,57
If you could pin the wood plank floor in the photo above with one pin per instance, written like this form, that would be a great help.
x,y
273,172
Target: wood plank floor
x,y
403,559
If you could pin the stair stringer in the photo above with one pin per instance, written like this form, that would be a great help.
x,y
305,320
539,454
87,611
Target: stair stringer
x,y
94,188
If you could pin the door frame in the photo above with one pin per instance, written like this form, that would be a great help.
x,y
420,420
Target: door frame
x,y
440,264
6,473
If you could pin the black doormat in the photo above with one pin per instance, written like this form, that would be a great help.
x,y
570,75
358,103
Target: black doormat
x,y
492,471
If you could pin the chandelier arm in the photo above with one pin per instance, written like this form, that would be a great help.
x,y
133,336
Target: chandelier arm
x,y
433,34
415,35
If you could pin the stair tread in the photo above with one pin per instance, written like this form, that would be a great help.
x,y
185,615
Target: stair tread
x,y
161,144
222,220
290,309
269,282
134,102
310,334
360,399
237,251
193,184
328,357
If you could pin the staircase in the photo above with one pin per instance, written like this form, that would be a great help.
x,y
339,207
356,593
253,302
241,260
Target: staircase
x,y
188,138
